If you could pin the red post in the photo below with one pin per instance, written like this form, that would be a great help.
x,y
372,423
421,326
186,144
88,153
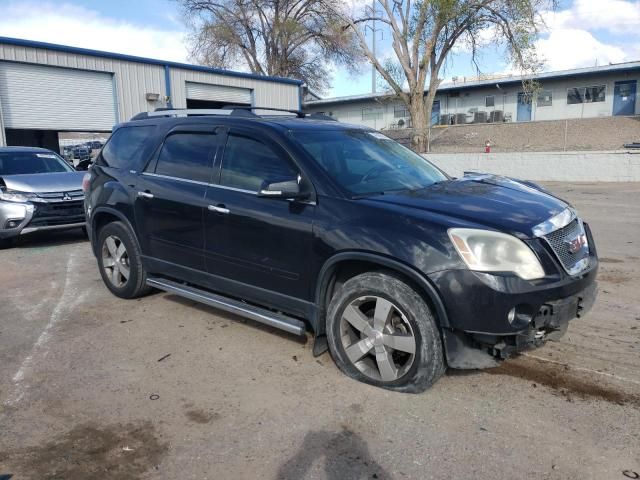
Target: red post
x,y
487,147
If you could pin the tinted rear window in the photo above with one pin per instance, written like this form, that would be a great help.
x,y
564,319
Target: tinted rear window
x,y
127,148
188,156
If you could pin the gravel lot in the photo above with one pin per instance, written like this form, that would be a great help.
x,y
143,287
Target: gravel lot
x,y
87,389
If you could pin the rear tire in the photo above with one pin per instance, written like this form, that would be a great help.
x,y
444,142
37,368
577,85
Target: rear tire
x,y
120,262
381,331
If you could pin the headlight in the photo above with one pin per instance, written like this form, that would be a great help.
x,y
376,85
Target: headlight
x,y
487,251
9,196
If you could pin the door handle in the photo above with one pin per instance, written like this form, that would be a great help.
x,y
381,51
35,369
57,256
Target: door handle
x,y
146,195
218,209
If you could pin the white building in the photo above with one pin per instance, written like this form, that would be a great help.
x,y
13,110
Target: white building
x,y
581,93
46,89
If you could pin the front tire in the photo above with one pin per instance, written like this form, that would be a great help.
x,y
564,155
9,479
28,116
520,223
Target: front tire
x,y
120,263
381,331
6,243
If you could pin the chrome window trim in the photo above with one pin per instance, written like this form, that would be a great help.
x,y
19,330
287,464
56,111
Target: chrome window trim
x,y
215,185
169,177
233,189
554,223
197,182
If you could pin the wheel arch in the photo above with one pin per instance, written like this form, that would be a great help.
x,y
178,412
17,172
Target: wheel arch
x,y
100,217
354,263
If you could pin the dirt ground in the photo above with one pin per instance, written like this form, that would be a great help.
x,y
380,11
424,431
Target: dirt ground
x,y
578,134
93,387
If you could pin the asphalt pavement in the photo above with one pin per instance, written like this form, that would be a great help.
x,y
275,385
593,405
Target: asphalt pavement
x,y
92,386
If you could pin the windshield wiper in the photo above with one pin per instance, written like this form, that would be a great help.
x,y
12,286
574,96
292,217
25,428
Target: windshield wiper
x,y
366,195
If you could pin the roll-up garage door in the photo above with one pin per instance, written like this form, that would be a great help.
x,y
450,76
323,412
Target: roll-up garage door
x,y
53,98
218,93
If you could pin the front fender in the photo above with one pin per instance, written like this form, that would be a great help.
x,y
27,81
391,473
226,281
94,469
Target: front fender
x,y
425,285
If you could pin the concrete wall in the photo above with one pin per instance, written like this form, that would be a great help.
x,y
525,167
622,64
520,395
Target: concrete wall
x,y
611,166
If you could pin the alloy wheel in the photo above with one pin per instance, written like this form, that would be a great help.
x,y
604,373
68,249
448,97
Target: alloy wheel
x,y
377,338
115,261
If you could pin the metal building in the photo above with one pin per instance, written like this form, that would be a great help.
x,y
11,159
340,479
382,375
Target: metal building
x,y
46,89
603,91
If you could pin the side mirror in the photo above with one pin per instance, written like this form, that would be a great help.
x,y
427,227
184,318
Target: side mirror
x,y
83,166
286,189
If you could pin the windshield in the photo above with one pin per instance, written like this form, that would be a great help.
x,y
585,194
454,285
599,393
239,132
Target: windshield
x,y
23,163
364,162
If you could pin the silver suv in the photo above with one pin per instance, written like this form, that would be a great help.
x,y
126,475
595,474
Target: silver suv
x,y
38,191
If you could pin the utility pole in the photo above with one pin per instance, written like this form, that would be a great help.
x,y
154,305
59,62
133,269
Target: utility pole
x,y
371,11
373,46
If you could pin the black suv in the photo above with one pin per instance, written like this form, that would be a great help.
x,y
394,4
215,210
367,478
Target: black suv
x,y
306,223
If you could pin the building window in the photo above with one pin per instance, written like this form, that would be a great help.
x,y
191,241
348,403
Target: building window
x,y
545,98
374,113
594,94
400,111
586,94
489,101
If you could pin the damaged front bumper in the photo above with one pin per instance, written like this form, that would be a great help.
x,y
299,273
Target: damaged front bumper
x,y
21,218
472,350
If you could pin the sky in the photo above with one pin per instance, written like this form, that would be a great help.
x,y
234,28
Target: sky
x,y
579,33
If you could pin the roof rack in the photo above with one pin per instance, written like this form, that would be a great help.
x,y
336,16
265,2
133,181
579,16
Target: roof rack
x,y
321,116
227,110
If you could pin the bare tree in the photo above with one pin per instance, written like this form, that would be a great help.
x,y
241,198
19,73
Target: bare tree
x,y
424,33
287,38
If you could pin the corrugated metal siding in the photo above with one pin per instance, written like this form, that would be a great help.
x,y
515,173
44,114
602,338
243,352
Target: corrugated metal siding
x,y
265,93
43,97
218,93
3,140
132,80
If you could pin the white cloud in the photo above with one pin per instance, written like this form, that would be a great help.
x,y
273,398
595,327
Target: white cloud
x,y
70,24
573,39
573,48
618,17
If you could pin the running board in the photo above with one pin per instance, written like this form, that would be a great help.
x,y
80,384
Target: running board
x,y
273,319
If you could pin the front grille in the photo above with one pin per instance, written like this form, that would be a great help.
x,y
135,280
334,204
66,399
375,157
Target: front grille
x,y
60,196
58,213
560,240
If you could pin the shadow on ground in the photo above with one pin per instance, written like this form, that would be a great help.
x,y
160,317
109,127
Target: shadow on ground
x,y
50,239
345,455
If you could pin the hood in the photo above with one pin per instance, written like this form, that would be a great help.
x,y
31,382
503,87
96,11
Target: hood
x,y
44,182
496,202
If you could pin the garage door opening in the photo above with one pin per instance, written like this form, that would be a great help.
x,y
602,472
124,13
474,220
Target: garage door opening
x,y
205,95
212,104
33,138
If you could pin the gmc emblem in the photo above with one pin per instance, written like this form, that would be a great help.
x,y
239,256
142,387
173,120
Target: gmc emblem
x,y
576,244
